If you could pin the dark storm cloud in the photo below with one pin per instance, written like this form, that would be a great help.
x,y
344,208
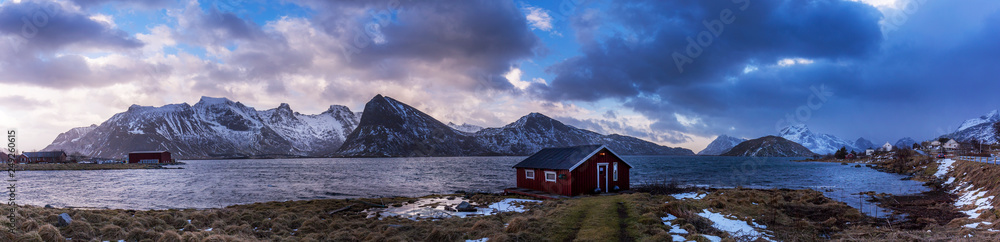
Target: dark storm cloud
x,y
37,31
478,39
637,64
626,64
48,26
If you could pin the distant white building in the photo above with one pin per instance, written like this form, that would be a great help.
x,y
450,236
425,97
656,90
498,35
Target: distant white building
x,y
887,147
935,143
951,145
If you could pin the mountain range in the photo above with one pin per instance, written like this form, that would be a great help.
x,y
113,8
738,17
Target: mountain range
x,y
212,128
220,128
769,146
977,129
390,128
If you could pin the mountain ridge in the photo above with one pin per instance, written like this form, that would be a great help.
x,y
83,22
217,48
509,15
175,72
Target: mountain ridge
x,y
217,128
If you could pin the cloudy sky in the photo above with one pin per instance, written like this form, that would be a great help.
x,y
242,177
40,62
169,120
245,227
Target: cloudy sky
x,y
678,73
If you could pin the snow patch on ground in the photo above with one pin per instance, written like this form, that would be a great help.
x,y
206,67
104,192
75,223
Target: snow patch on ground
x,y
478,240
677,238
690,195
440,208
734,226
712,238
674,229
977,198
944,167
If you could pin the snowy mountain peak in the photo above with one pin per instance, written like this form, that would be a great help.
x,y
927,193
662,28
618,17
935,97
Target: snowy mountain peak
x,y
339,109
721,144
284,106
905,143
991,117
468,128
210,101
977,129
795,130
817,143
535,119
863,144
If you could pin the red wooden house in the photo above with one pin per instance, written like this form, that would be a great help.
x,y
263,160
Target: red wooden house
x,y
574,170
149,157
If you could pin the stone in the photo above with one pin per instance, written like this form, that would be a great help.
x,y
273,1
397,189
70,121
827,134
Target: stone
x,y
465,207
64,219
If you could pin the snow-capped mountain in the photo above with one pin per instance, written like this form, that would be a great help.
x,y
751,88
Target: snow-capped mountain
x,y
535,131
817,143
905,143
978,128
468,128
391,128
863,144
720,145
212,128
769,146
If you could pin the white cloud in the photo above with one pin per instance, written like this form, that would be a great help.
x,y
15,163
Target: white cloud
x,y
794,61
687,121
539,19
514,77
105,19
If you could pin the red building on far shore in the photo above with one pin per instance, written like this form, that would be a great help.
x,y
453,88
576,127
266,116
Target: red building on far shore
x,y
149,157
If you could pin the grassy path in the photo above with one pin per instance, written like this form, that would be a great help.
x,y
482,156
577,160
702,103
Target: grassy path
x,y
602,218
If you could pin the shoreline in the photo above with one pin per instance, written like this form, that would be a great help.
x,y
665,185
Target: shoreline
x,y
83,166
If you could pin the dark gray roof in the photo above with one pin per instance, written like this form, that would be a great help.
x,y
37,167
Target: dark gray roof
x,y
563,158
51,154
148,152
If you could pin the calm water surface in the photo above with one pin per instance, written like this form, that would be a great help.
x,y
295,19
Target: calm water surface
x,y
219,183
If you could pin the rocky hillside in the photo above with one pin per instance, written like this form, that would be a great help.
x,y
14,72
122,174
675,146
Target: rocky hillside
x,y
769,146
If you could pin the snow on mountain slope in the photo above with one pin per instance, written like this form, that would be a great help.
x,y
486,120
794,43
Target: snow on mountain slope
x,y
720,145
212,128
905,143
991,117
817,143
863,144
978,128
468,128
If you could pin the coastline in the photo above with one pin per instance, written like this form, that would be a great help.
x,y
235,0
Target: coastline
x,y
79,166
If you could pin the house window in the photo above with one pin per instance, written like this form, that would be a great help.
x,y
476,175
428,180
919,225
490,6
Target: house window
x,y
550,176
615,169
529,174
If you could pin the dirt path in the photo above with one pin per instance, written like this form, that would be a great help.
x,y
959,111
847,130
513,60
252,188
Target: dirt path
x,y
622,227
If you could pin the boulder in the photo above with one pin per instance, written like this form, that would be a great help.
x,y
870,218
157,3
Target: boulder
x,y
64,219
465,207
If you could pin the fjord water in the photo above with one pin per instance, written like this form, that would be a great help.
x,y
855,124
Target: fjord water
x,y
219,183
